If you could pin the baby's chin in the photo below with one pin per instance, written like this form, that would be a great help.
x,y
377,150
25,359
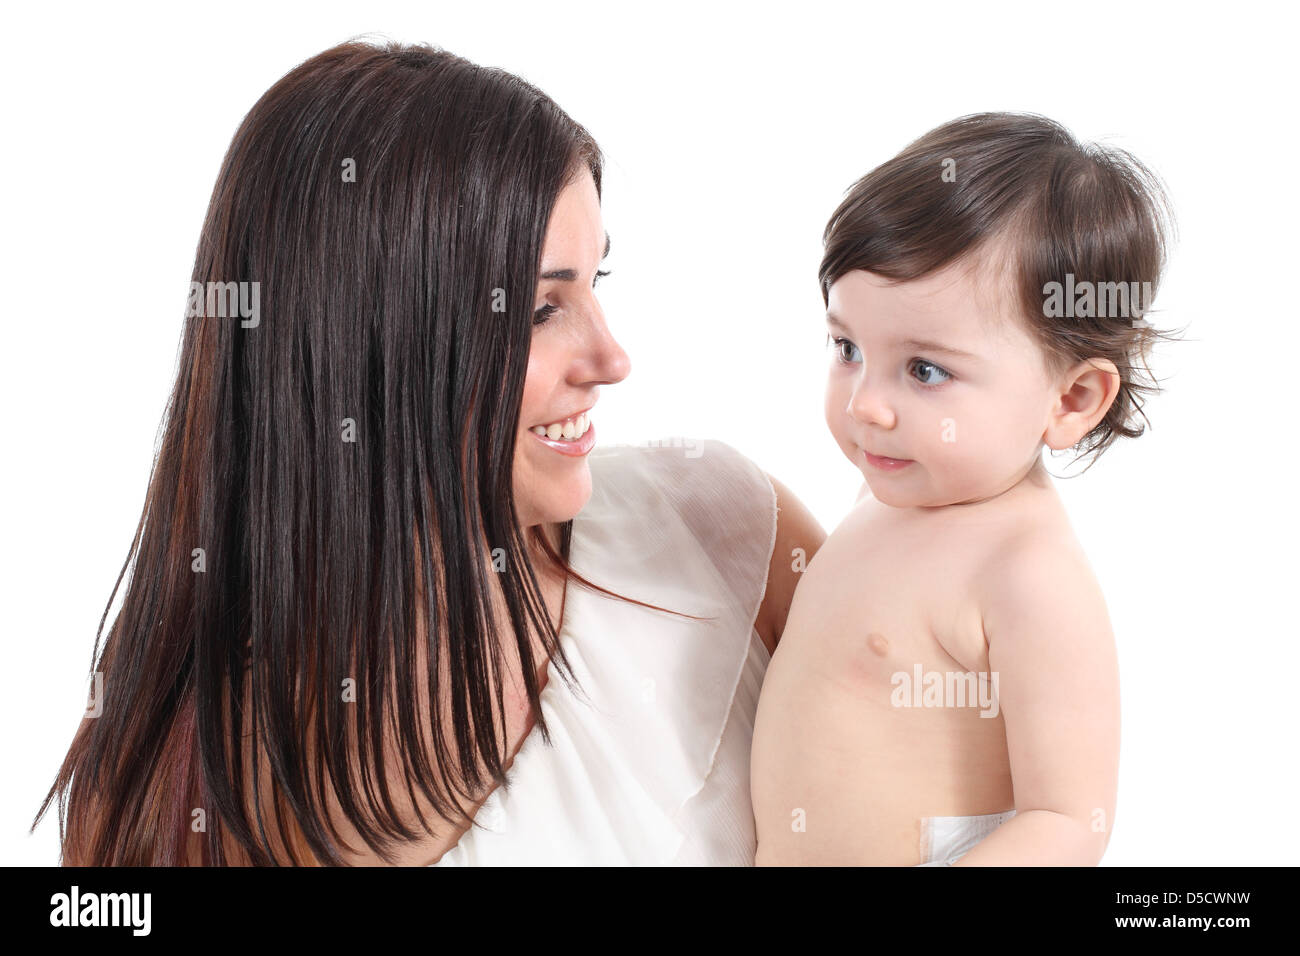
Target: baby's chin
x,y
887,491
894,497
898,496
903,490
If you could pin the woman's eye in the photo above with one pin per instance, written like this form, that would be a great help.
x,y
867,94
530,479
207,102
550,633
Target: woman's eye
x,y
546,311
845,351
927,373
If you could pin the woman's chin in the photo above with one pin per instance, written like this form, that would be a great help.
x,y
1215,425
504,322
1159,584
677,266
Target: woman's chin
x,y
554,500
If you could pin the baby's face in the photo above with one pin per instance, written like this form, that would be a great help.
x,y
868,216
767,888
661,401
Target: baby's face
x,y
934,391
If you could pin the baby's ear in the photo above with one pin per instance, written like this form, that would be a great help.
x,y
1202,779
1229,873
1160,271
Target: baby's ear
x,y
1085,393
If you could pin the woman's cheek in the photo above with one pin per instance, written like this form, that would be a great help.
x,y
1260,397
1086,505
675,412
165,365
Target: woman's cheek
x,y
538,383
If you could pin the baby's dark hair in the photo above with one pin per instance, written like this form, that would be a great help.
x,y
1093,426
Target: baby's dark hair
x,y
1080,215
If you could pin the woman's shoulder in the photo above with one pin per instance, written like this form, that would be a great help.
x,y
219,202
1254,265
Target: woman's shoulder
x,y
692,471
678,510
702,495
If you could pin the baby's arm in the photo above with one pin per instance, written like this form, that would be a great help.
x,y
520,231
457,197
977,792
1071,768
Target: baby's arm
x,y
1052,649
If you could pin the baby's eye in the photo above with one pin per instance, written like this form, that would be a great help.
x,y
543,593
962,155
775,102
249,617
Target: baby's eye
x,y
845,351
927,373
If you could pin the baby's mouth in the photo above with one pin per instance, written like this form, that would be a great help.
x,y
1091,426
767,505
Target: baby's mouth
x,y
885,463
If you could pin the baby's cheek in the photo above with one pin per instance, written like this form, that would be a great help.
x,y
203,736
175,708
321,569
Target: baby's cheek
x,y
958,450
945,440
835,415
833,403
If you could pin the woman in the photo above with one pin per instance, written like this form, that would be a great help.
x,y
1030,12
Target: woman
x,y
377,548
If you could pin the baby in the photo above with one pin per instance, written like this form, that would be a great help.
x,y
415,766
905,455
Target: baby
x,y
946,687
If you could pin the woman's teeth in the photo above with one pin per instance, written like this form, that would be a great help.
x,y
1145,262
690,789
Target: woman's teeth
x,y
563,431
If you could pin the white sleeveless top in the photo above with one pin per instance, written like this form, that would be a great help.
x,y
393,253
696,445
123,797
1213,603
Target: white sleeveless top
x,y
652,766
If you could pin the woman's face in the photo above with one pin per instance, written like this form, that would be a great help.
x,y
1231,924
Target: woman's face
x,y
572,354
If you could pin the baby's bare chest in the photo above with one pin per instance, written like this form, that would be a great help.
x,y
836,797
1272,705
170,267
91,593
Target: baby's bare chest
x,y
904,606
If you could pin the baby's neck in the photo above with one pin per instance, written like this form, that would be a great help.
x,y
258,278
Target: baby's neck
x,y
1033,480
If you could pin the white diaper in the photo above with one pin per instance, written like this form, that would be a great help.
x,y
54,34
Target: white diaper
x,y
945,839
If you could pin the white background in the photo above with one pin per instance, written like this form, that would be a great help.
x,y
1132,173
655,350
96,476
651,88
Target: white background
x,y
731,133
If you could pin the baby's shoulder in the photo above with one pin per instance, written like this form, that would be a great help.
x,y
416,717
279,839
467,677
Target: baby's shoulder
x,y
1040,580
1035,542
854,538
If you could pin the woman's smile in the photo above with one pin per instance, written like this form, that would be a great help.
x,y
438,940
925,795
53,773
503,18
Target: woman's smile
x,y
572,436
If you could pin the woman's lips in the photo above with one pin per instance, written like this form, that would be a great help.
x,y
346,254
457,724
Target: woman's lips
x,y
575,448
886,464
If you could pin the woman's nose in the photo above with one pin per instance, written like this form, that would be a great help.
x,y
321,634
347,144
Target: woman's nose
x,y
608,360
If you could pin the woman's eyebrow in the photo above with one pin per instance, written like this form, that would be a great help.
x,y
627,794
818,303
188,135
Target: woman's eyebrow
x,y
569,275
